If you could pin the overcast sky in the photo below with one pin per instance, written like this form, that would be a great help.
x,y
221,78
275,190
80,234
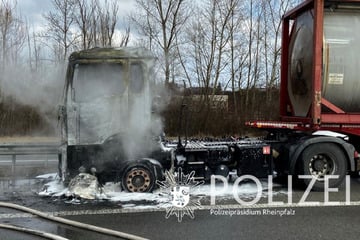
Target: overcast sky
x,y
32,10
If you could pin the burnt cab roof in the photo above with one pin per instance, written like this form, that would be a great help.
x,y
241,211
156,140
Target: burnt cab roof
x,y
111,53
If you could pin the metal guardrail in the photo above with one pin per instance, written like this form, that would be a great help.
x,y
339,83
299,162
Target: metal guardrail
x,y
15,150
29,149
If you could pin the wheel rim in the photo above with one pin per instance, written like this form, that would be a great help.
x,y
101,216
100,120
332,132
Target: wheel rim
x,y
321,165
138,180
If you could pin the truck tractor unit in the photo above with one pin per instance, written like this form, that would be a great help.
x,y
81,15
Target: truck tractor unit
x,y
105,118
107,115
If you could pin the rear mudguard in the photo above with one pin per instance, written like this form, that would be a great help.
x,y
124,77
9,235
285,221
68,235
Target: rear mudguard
x,y
296,149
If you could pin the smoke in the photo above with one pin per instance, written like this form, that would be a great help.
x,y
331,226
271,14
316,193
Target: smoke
x,y
107,105
145,124
145,121
141,133
103,109
39,89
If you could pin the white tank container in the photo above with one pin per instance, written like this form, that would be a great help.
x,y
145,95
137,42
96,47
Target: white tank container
x,y
341,61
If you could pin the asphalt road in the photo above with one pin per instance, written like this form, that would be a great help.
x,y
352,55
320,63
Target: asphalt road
x,y
313,219
306,223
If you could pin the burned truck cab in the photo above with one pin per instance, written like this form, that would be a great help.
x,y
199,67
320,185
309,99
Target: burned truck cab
x,y
106,116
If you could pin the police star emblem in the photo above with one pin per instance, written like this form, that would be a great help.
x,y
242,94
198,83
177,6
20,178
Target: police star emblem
x,y
180,187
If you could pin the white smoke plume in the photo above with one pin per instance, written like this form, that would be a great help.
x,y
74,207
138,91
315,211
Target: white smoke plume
x,y
107,104
41,89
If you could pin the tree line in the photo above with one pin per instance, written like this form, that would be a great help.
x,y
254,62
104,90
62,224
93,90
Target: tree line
x,y
232,45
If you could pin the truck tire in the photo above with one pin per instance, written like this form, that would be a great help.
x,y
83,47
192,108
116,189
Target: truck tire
x,y
322,159
138,178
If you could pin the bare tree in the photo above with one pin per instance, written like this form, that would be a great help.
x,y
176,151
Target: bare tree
x,y
36,47
97,22
125,38
107,22
207,55
12,33
257,61
237,51
161,22
250,48
12,39
210,38
6,19
59,23
273,10
84,13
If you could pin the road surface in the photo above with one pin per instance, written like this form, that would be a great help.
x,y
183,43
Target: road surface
x,y
227,219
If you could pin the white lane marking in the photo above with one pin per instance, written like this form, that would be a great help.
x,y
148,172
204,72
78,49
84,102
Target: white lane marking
x,y
159,209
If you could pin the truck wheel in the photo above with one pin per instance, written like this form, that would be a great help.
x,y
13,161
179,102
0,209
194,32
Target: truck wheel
x,y
323,159
138,178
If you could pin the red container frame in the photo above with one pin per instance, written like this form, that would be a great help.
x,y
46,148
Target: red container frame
x,y
335,120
